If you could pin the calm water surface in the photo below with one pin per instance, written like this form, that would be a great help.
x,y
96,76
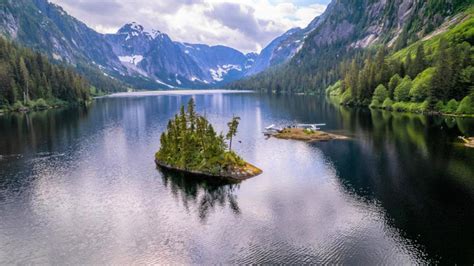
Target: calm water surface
x,y
80,186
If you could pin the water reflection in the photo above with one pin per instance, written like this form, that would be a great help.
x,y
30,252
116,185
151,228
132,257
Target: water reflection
x,y
414,167
205,195
79,186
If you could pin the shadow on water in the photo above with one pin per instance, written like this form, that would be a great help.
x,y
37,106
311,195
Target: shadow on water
x,y
204,194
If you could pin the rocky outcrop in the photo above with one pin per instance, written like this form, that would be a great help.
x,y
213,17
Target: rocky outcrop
x,y
236,174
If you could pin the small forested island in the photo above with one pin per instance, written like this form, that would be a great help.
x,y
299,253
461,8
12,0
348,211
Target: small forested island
x,y
191,145
303,134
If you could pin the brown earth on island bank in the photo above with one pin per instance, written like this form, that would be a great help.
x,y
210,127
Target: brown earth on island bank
x,y
468,142
236,174
307,135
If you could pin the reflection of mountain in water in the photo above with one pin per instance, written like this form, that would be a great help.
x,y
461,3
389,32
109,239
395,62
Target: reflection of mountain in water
x,y
202,194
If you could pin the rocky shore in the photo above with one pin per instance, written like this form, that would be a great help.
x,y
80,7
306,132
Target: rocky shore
x,y
237,174
307,135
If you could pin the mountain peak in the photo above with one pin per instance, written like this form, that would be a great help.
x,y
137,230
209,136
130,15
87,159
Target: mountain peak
x,y
134,29
131,27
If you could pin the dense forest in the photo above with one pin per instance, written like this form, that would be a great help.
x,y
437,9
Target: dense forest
x,y
191,143
29,80
434,74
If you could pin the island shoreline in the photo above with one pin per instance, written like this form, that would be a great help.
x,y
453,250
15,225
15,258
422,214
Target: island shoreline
x,y
237,176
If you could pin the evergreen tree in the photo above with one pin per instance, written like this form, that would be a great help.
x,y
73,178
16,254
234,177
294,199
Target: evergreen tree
x,y
420,61
393,83
409,67
24,77
441,81
233,125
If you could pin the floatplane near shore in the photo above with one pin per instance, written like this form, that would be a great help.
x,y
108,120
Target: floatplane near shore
x,y
273,129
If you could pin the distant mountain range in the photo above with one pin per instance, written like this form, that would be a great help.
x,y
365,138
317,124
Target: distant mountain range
x,y
147,60
309,57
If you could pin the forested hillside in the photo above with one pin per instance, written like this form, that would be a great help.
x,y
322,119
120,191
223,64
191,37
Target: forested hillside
x,y
29,80
435,74
45,27
362,44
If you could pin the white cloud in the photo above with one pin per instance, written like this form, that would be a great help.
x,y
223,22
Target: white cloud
x,y
247,25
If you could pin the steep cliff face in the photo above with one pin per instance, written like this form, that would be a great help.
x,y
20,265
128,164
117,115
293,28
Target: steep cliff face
x,y
274,53
46,27
348,27
282,49
362,23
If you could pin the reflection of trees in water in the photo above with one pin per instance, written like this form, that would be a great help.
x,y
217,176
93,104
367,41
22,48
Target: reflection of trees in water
x,y
409,164
205,195
29,132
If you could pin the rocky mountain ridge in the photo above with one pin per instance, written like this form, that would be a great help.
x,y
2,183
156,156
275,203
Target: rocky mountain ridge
x,y
141,58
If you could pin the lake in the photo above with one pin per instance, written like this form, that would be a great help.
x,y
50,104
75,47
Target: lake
x,y
80,186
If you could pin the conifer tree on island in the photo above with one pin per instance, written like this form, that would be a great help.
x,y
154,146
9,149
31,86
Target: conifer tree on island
x,y
233,125
190,144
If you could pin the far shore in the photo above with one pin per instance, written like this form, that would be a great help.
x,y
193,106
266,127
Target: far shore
x,y
173,92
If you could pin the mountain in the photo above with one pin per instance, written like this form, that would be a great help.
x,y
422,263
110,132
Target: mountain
x,y
146,60
221,63
47,28
348,28
155,56
282,49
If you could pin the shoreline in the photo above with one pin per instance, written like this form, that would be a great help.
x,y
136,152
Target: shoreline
x,y
245,172
26,110
334,99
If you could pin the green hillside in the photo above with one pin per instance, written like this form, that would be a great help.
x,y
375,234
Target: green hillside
x,y
29,81
435,74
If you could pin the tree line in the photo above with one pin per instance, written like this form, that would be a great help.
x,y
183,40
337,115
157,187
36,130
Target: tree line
x,y
438,80
436,74
27,76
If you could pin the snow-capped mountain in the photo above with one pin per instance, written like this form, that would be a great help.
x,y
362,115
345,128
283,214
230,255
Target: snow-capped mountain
x,y
220,63
153,55
144,59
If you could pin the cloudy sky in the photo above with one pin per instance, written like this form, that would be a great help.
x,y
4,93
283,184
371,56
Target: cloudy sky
x,y
247,25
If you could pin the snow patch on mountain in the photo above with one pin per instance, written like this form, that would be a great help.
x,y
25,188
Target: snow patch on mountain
x,y
162,83
219,73
134,59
